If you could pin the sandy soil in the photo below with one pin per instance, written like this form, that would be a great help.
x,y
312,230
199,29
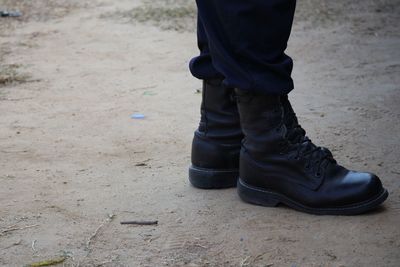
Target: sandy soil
x,y
73,164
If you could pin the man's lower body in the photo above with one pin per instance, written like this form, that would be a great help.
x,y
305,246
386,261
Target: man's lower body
x,y
250,135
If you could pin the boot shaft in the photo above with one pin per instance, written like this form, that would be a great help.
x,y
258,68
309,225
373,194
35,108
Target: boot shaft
x,y
219,113
262,122
216,143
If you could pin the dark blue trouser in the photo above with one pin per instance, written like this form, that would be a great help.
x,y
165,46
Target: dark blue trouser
x,y
243,41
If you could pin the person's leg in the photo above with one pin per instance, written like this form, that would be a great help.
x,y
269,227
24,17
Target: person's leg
x,y
201,66
278,163
247,40
216,142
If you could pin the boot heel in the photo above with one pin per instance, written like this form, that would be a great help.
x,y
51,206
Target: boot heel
x,y
256,196
212,178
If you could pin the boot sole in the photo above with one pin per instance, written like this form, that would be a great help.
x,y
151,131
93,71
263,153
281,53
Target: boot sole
x,y
267,198
213,178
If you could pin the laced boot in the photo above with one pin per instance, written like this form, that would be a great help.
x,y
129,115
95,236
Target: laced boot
x,y
297,173
216,142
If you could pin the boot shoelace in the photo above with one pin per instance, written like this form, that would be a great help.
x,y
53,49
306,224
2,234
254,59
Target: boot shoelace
x,y
304,146
298,141
295,132
320,155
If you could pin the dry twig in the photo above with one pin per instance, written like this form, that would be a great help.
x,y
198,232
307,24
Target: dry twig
x,y
13,228
141,222
47,262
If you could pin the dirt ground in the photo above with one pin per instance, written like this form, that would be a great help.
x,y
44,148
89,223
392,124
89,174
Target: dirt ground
x,y
73,164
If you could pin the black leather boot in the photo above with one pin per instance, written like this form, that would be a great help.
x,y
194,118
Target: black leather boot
x,y
216,143
274,169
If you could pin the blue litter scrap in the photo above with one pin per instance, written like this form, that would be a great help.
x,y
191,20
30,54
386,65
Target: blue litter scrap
x,y
4,13
137,116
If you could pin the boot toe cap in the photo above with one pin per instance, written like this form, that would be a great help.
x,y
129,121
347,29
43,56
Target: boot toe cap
x,y
357,187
